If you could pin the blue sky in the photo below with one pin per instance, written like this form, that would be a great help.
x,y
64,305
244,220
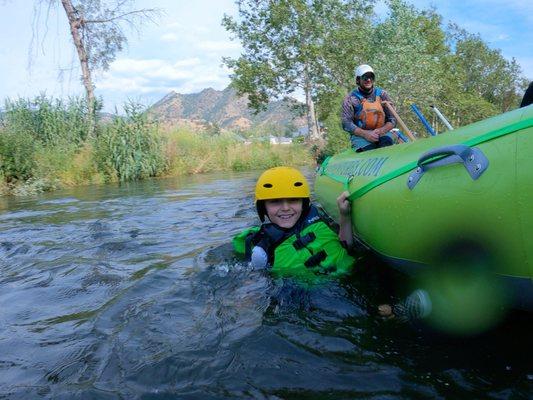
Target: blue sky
x,y
183,51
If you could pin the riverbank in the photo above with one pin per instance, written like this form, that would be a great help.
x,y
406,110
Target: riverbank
x,y
193,158
44,146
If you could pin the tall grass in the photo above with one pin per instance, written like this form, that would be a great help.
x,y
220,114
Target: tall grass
x,y
49,121
39,137
44,145
189,152
17,149
130,147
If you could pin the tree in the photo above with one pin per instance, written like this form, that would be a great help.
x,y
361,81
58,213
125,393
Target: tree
x,y
419,62
98,35
288,46
484,72
407,50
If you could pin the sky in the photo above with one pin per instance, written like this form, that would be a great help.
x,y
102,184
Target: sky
x,y
183,51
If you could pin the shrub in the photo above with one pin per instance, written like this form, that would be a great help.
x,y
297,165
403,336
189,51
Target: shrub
x,y
48,121
17,155
337,139
190,153
129,148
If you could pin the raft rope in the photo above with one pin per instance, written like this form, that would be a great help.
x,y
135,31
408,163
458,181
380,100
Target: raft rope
x,y
412,165
337,178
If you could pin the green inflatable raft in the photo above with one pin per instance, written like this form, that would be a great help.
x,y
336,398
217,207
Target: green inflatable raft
x,y
466,192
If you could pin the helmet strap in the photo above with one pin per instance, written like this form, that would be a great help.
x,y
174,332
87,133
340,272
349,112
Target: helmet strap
x,y
261,209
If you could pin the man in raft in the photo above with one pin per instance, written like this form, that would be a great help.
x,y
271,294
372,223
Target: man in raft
x,y
363,116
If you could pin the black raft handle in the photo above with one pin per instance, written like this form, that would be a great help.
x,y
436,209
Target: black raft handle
x,y
473,159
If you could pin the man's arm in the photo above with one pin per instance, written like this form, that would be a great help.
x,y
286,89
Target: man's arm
x,y
348,115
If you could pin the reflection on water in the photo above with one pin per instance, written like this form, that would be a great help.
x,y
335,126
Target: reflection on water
x,y
133,292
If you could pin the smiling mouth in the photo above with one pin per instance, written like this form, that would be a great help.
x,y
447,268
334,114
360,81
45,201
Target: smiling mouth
x,y
285,216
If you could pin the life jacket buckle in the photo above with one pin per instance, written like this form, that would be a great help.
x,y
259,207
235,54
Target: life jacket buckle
x,y
304,240
316,259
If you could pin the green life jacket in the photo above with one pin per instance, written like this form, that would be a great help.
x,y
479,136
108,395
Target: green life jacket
x,y
310,251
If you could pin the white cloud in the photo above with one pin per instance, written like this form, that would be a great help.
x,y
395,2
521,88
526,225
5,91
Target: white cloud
x,y
172,25
169,37
169,72
213,45
503,37
130,76
152,69
188,62
178,32
122,84
128,65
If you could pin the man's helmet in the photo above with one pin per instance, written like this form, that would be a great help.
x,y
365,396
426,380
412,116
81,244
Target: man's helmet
x,y
363,69
280,183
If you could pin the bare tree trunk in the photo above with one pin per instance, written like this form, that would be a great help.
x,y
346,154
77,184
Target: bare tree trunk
x,y
312,124
76,23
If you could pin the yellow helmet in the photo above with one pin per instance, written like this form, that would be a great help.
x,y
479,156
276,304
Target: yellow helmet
x,y
281,183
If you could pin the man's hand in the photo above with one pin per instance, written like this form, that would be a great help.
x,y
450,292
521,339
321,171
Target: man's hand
x,y
371,136
379,132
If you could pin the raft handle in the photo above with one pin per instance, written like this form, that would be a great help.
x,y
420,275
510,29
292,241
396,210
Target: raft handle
x,y
472,158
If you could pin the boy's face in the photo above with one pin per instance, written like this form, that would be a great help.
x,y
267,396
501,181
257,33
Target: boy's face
x,y
284,212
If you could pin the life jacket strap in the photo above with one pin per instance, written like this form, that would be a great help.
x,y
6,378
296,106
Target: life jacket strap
x,y
304,240
316,259
248,244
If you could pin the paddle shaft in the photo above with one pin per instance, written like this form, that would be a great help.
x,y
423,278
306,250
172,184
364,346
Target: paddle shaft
x,y
442,117
400,121
423,119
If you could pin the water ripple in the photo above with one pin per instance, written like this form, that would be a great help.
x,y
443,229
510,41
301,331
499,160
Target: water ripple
x,y
133,292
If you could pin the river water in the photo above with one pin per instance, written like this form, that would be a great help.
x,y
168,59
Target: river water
x,y
131,292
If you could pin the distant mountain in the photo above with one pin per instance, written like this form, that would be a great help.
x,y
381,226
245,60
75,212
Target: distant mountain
x,y
226,110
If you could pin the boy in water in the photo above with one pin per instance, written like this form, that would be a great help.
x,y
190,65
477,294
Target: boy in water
x,y
296,241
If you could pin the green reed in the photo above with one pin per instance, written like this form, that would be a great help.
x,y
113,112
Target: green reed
x,y
191,152
130,148
44,145
48,120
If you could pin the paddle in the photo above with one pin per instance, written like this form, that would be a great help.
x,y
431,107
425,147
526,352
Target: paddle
x,y
441,117
423,120
400,121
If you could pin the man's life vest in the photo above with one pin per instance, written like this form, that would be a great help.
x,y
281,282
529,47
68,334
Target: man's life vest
x,y
309,251
369,114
